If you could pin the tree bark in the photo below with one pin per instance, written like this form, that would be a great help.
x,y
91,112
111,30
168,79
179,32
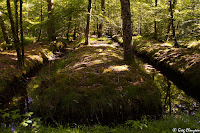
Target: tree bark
x,y
127,30
51,23
16,18
3,28
68,27
87,32
15,35
168,30
100,31
74,35
172,22
21,32
155,23
41,19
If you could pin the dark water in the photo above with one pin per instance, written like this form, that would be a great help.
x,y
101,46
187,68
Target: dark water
x,y
174,100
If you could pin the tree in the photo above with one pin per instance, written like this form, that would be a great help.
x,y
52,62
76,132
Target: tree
x,y
21,31
155,23
51,23
3,28
41,19
100,30
68,27
172,21
89,13
16,19
127,30
15,35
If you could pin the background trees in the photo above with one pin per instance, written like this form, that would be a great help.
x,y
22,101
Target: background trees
x,y
156,19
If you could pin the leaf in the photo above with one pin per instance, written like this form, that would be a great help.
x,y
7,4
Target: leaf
x,y
29,121
6,115
16,116
24,124
28,114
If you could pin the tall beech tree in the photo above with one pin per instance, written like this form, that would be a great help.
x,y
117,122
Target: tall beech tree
x,y
171,6
15,35
127,30
41,19
21,31
3,28
16,19
89,13
100,30
51,23
155,23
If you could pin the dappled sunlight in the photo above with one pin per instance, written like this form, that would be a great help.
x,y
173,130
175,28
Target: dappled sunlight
x,y
36,57
166,44
81,65
9,53
116,69
194,44
101,45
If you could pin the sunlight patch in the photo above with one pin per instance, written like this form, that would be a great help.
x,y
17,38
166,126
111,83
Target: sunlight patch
x,y
116,68
166,44
36,57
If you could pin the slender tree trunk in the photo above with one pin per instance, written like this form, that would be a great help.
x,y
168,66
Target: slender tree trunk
x,y
97,25
140,22
100,33
168,30
155,23
51,23
172,22
127,30
68,27
41,19
21,31
16,18
87,32
74,35
15,35
3,28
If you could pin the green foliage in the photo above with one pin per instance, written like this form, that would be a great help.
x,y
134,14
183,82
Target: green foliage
x,y
5,46
164,125
29,40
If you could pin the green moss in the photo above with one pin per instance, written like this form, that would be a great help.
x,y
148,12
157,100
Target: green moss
x,y
83,90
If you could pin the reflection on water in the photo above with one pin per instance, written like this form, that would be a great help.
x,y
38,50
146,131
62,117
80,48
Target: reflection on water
x,y
174,100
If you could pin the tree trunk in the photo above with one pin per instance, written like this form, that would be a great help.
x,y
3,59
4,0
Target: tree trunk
x,y
16,18
15,35
155,23
3,28
41,19
21,32
68,27
87,32
168,30
127,30
172,22
74,35
51,24
100,31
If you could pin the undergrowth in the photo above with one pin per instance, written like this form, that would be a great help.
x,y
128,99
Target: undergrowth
x,y
27,124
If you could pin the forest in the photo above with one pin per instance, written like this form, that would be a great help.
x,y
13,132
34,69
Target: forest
x,y
99,66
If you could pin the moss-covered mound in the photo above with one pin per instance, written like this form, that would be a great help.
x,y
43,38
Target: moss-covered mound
x,y
11,74
96,85
183,61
